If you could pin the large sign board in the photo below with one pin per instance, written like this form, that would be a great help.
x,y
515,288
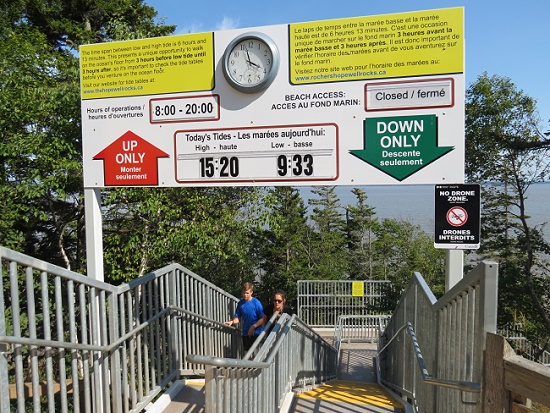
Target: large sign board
x,y
368,100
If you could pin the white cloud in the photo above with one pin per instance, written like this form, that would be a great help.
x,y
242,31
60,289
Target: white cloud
x,y
227,23
196,27
192,28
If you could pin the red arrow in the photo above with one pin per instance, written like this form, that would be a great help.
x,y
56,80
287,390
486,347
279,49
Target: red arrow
x,y
130,161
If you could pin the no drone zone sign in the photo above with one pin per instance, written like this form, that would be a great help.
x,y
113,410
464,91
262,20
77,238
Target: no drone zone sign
x,y
457,216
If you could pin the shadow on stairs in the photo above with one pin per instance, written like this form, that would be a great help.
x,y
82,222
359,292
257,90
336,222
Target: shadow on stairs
x,y
355,391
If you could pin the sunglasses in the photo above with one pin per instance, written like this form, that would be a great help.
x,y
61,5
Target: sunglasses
x,y
278,301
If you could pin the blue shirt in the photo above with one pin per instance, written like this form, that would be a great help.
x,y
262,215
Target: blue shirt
x,y
249,312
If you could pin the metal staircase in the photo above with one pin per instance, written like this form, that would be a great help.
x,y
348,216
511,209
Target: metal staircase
x,y
69,343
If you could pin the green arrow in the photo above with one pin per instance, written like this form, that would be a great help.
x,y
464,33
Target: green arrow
x,y
401,145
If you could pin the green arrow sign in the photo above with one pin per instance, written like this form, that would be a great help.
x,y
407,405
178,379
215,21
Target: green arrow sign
x,y
401,145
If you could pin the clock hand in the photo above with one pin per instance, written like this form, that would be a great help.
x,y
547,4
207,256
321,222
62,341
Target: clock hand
x,y
250,61
248,57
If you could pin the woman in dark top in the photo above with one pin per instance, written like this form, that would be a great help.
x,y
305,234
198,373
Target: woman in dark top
x,y
277,305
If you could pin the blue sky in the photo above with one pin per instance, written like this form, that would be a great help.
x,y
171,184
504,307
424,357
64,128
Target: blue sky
x,y
503,37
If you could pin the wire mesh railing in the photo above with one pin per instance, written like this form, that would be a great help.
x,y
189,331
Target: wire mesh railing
x,y
321,302
522,346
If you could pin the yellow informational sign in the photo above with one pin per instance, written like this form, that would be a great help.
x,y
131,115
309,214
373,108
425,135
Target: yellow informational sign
x,y
357,288
174,64
375,47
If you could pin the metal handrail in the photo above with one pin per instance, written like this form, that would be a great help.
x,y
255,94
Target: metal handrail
x,y
245,363
465,386
451,331
200,317
130,336
226,362
236,384
107,348
340,325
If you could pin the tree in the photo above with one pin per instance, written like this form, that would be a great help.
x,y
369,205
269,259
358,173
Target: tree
x,y
360,224
40,144
281,246
504,147
205,229
329,247
69,24
401,248
40,169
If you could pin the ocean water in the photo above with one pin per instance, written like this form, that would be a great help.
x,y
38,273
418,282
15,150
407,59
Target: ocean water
x,y
415,203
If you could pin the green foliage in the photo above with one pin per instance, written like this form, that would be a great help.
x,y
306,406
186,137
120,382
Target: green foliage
x,y
40,128
360,224
329,254
402,248
205,229
505,147
334,243
497,117
41,176
281,247
69,24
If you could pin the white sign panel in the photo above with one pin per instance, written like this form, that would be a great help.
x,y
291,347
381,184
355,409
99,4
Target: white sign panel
x,y
410,95
293,153
368,100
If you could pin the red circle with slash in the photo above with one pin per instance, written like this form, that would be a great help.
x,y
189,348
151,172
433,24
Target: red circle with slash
x,y
457,216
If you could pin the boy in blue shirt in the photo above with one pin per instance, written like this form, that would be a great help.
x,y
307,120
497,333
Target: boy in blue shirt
x,y
250,312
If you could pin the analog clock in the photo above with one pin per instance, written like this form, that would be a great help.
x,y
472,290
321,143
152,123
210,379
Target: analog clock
x,y
250,62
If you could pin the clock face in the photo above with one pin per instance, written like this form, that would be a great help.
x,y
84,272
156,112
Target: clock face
x,y
250,62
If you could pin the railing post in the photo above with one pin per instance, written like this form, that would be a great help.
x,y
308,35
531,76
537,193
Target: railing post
x,y
4,383
175,351
116,387
208,342
98,400
489,301
210,389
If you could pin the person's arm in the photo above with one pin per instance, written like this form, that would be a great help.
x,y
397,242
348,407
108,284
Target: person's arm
x,y
254,326
265,318
232,322
236,317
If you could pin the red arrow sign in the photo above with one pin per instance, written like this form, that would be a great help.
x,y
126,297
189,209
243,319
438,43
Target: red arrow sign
x,y
130,160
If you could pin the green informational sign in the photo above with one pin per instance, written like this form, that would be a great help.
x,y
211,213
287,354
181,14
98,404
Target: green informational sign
x,y
401,145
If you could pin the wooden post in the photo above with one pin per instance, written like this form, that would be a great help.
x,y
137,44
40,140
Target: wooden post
x,y
496,398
